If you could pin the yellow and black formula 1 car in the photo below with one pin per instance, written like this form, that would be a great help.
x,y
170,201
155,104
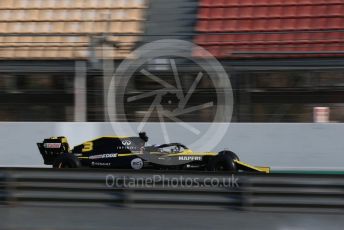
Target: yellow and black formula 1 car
x,y
122,152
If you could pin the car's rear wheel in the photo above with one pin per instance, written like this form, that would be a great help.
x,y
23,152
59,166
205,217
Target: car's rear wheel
x,y
222,162
66,160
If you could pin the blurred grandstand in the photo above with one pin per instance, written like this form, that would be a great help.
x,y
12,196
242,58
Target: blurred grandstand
x,y
285,57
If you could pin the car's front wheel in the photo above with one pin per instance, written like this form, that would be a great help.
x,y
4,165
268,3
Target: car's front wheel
x,y
222,162
230,153
66,160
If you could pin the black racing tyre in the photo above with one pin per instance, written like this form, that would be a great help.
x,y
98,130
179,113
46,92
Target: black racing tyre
x,y
222,162
65,147
66,160
230,153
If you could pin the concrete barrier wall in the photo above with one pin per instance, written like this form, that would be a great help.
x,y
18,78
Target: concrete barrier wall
x,y
281,146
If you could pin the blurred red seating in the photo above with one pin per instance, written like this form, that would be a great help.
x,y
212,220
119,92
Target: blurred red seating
x,y
270,25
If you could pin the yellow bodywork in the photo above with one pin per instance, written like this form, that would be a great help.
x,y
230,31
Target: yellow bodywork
x,y
190,152
248,167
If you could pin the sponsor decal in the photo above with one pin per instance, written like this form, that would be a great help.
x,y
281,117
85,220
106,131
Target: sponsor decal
x,y
102,156
190,158
137,163
52,145
126,142
127,147
100,164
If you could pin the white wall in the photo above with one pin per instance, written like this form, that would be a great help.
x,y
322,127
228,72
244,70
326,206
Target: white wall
x,y
277,145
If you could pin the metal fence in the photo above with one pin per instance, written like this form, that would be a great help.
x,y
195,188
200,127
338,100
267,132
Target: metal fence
x,y
282,192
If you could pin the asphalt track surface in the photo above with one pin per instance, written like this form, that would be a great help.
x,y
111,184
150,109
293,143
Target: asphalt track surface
x,y
68,218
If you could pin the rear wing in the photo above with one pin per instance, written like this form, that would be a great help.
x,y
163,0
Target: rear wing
x,y
53,147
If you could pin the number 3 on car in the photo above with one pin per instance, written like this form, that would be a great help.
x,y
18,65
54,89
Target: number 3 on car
x,y
88,146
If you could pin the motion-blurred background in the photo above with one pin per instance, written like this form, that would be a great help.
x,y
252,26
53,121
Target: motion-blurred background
x,y
285,61
285,57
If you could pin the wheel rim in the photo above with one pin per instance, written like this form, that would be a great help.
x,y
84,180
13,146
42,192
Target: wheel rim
x,y
219,167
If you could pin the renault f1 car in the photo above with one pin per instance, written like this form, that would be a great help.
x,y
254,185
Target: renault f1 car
x,y
121,152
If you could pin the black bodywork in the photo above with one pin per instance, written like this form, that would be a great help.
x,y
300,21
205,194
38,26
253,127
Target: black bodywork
x,y
133,153
118,152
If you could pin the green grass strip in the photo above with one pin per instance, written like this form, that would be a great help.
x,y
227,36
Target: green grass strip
x,y
309,172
